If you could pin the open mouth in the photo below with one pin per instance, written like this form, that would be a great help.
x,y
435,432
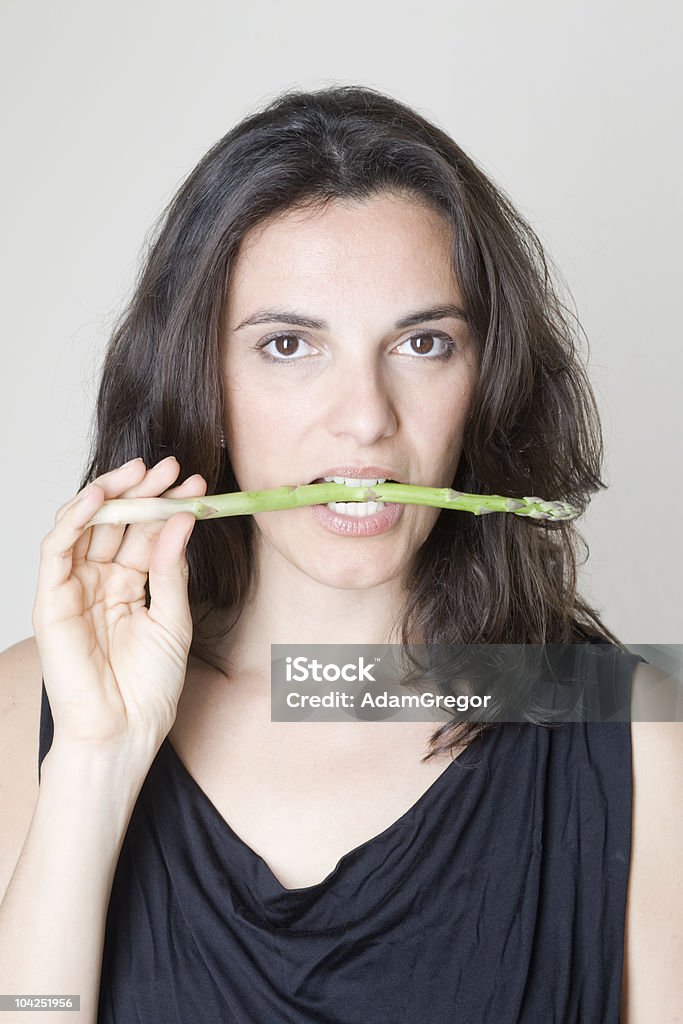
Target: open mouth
x,y
321,481
353,508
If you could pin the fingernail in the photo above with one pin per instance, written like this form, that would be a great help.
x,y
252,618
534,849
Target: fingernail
x,y
130,462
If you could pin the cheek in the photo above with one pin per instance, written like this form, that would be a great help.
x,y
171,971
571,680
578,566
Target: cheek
x,y
258,438
245,406
254,396
442,418
454,408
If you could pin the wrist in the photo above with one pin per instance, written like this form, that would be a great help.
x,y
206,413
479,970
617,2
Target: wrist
x,y
88,775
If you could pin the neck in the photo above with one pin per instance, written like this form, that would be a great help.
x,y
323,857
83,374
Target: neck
x,y
290,607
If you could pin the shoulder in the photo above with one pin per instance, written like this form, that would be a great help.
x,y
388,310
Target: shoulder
x,y
20,692
653,948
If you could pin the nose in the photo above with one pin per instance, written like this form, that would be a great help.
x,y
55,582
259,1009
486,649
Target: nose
x,y
362,403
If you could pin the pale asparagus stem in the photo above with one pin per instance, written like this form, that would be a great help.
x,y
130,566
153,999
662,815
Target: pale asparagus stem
x,y
240,503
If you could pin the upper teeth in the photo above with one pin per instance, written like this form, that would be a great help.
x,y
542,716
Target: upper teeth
x,y
353,481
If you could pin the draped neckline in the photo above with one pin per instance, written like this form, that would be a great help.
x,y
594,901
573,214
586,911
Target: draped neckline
x,y
419,807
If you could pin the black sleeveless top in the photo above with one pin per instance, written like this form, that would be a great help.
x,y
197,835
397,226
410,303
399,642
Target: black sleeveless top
x,y
499,897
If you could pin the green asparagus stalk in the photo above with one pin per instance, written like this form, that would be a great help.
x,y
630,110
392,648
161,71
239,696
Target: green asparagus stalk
x,y
240,503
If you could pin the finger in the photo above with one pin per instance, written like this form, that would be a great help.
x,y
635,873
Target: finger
x,y
136,548
168,577
56,550
112,483
105,539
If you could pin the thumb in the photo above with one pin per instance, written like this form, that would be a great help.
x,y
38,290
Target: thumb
x,y
169,575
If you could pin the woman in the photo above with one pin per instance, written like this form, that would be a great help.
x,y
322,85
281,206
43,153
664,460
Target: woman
x,y
205,863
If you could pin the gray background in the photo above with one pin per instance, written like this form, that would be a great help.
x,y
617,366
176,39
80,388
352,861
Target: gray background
x,y
571,108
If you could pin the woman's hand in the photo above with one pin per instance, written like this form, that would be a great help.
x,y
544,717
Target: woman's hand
x,y
113,669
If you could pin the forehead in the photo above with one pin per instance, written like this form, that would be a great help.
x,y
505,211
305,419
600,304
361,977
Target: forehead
x,y
385,243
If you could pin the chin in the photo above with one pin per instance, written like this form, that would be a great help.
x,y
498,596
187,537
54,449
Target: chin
x,y
350,576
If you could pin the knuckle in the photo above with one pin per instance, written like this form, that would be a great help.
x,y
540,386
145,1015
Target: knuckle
x,y
48,541
64,510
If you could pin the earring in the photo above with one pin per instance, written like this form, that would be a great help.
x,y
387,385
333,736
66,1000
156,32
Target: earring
x,y
222,440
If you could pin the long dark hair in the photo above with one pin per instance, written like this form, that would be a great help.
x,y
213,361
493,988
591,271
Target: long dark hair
x,y
533,426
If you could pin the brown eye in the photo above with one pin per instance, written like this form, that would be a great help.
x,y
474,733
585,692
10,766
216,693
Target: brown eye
x,y
425,345
286,344
419,341
285,347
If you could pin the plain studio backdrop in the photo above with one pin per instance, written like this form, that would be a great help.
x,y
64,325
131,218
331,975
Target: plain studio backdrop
x,y
572,109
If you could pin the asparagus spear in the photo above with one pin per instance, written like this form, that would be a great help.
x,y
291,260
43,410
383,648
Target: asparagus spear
x,y
240,503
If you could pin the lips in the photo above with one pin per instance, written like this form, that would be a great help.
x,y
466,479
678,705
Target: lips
x,y
320,479
356,472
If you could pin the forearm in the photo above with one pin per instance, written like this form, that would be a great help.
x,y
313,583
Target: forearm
x,y
53,915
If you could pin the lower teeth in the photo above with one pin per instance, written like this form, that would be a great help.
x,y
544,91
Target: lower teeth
x,y
356,508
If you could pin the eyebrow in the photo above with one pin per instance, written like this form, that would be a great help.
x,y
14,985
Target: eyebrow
x,y
296,319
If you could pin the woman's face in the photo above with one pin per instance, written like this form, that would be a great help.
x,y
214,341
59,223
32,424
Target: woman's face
x,y
357,388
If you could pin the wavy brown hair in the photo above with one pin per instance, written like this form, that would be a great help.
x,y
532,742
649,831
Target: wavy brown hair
x,y
533,426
